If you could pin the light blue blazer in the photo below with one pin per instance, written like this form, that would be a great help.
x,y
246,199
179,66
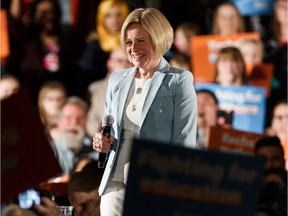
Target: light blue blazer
x,y
169,112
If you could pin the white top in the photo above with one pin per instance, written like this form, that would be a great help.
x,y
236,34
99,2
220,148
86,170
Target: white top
x,y
132,120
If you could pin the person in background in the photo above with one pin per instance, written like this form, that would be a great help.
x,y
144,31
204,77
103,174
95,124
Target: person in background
x,y
98,90
230,68
69,137
180,60
16,210
273,193
109,19
183,34
151,100
9,85
227,20
46,52
276,49
252,51
272,150
51,96
207,108
279,125
83,192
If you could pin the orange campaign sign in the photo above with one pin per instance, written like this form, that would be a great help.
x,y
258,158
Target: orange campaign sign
x,y
5,51
230,140
204,52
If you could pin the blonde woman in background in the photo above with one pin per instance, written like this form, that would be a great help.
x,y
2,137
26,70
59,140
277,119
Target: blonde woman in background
x,y
109,19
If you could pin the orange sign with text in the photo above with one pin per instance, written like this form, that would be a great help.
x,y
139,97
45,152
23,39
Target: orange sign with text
x,y
5,51
230,140
204,52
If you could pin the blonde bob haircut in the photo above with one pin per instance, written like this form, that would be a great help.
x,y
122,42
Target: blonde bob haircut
x,y
155,24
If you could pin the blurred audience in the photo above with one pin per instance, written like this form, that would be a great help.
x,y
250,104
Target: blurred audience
x,y
70,138
9,85
51,96
46,53
230,68
227,20
276,50
98,90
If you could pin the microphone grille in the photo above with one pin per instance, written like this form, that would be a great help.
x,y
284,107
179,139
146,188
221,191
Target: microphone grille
x,y
108,120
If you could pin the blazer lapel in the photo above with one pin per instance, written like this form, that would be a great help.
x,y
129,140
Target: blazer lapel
x,y
156,82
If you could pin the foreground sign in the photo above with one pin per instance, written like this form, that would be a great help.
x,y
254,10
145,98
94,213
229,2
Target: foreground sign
x,y
171,180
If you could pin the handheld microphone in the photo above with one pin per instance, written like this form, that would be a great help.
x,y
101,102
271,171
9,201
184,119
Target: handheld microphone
x,y
106,130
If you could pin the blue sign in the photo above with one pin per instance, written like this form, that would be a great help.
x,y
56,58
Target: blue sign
x,y
171,180
254,7
247,102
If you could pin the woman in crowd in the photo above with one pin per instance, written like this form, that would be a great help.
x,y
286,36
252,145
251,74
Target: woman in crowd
x,y
227,20
51,96
109,19
230,68
183,34
151,100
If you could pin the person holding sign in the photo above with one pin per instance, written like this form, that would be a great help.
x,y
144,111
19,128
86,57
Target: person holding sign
x,y
150,101
230,68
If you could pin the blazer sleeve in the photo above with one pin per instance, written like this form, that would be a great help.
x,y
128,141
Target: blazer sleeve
x,y
185,112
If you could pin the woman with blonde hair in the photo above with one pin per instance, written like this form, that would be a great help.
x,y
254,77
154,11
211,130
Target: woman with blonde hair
x,y
151,100
109,19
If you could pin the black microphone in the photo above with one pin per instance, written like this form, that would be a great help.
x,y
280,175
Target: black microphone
x,y
106,130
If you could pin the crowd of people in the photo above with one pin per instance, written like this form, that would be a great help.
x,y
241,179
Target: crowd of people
x,y
69,69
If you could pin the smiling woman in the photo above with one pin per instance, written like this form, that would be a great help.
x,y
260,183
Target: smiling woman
x,y
151,100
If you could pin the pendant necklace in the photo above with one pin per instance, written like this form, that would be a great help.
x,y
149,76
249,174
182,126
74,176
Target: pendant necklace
x,y
139,91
